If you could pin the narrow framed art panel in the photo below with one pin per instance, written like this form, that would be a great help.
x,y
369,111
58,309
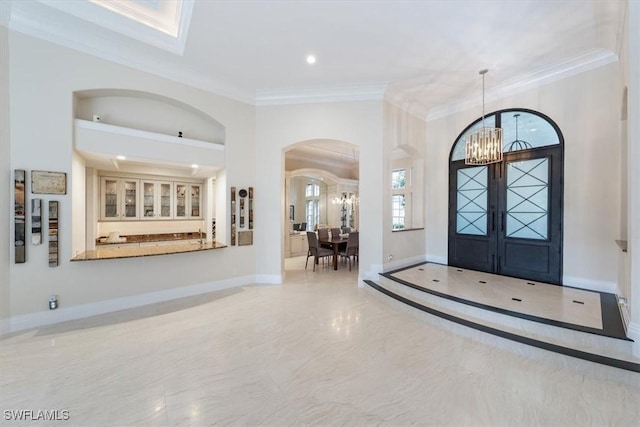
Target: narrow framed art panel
x,y
250,208
243,197
19,216
36,221
233,216
43,182
53,233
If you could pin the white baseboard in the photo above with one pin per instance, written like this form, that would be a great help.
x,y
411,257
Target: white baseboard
x,y
374,271
42,318
633,332
5,326
590,285
269,279
436,259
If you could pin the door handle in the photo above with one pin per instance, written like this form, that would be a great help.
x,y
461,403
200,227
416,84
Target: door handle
x,y
493,221
502,221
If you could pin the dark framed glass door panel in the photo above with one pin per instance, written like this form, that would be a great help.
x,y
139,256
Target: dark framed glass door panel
x,y
510,224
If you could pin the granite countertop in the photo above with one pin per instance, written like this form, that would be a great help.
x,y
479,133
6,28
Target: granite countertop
x,y
138,238
133,252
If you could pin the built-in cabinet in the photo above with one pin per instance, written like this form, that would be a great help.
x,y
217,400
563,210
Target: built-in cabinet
x,y
124,199
119,199
188,199
298,244
156,199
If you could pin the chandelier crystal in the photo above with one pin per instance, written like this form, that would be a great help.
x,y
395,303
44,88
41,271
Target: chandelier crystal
x,y
484,145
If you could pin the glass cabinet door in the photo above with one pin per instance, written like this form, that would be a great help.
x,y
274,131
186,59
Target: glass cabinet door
x,y
195,200
149,199
110,198
165,200
130,199
181,200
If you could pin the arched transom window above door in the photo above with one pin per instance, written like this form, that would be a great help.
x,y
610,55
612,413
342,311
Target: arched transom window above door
x,y
522,130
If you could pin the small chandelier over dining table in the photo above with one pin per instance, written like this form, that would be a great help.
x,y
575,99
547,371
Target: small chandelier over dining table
x,y
344,200
484,145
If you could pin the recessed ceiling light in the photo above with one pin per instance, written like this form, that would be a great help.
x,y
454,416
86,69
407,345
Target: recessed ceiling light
x,y
121,157
533,129
311,59
194,166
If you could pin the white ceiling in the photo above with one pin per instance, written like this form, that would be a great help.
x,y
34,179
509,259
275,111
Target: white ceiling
x,y
423,55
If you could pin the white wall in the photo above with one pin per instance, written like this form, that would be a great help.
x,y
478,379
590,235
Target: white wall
x,y
278,127
407,133
633,61
586,108
6,183
43,79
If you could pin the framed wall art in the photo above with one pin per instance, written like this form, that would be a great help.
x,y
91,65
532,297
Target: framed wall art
x,y
53,233
19,216
233,216
250,208
36,221
243,194
245,238
43,182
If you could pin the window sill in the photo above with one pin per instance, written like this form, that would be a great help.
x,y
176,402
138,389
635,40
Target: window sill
x,y
407,229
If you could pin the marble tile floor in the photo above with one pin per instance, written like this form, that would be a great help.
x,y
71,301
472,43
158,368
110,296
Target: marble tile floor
x,y
316,350
518,295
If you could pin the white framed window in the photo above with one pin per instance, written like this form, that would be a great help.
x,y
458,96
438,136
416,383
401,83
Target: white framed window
x,y
312,190
312,207
398,202
398,179
313,213
400,198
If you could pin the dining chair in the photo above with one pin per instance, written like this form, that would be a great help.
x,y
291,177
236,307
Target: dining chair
x,y
323,234
315,250
353,244
335,232
346,230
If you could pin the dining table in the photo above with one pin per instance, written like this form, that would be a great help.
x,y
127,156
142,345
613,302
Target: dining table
x,y
335,243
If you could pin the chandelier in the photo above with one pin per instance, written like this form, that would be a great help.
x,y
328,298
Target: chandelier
x,y
484,145
344,200
517,144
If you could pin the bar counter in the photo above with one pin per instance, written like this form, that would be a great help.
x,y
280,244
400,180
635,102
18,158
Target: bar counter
x,y
141,251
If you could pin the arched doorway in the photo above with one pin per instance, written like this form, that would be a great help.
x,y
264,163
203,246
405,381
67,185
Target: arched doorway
x,y
321,190
506,217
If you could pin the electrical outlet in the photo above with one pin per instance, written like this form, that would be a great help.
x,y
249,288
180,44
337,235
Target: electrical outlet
x,y
390,257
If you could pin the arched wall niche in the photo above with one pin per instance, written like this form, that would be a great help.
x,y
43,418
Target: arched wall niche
x,y
147,111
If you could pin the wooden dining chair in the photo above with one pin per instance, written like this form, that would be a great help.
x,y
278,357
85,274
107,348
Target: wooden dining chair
x,y
353,245
315,250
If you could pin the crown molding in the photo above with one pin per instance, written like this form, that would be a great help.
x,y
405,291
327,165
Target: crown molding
x,y
570,67
365,92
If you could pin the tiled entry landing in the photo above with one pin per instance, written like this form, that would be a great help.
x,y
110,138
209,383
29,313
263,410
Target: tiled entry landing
x,y
562,306
590,328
